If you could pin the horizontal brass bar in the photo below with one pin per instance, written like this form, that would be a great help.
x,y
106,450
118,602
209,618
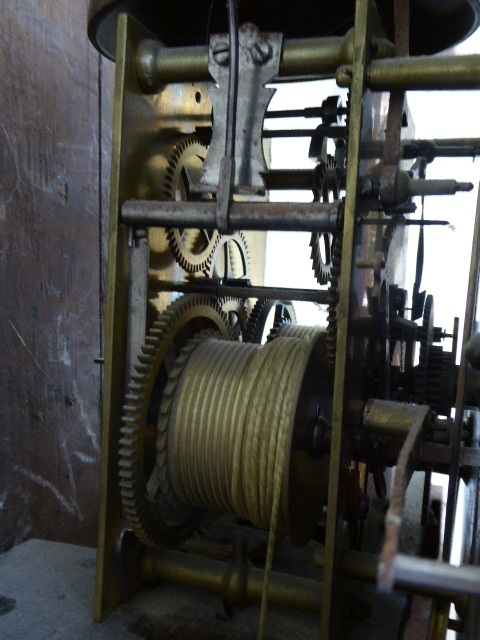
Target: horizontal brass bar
x,y
418,73
248,216
237,583
158,65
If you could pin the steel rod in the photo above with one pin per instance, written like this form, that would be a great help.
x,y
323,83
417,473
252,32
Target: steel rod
x,y
329,132
433,578
220,290
418,73
436,148
254,216
418,223
309,112
431,574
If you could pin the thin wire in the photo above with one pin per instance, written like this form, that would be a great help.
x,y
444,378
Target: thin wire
x,y
231,124
209,18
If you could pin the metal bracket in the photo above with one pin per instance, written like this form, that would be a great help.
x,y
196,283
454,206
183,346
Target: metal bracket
x,y
259,62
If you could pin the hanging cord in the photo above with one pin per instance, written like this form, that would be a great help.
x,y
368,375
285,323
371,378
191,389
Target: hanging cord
x,y
232,6
227,164
230,427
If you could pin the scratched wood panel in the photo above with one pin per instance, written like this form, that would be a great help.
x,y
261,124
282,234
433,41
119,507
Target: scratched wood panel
x,y
54,150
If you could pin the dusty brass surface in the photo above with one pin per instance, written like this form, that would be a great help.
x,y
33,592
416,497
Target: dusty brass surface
x,y
140,143
418,74
241,583
107,591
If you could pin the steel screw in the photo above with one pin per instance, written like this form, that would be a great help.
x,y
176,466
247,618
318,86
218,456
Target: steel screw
x,y
261,52
221,54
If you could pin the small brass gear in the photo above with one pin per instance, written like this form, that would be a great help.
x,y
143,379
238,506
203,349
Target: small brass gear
x,y
322,244
237,315
192,248
230,258
151,518
257,322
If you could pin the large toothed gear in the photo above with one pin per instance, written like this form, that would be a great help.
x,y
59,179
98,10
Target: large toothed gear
x,y
257,322
154,521
322,244
192,248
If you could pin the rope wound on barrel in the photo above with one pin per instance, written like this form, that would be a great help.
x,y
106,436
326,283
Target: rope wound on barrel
x,y
230,429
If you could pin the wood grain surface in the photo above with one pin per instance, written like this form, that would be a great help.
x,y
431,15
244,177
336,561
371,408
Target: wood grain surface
x,y
55,130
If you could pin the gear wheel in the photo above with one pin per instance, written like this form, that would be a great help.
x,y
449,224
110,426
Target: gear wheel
x,y
322,244
433,384
192,248
154,521
333,301
284,312
237,316
230,258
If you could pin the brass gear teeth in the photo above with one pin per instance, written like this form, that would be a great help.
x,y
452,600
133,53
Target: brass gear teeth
x,y
259,315
238,308
170,180
138,507
239,239
333,301
329,183
189,261
246,255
